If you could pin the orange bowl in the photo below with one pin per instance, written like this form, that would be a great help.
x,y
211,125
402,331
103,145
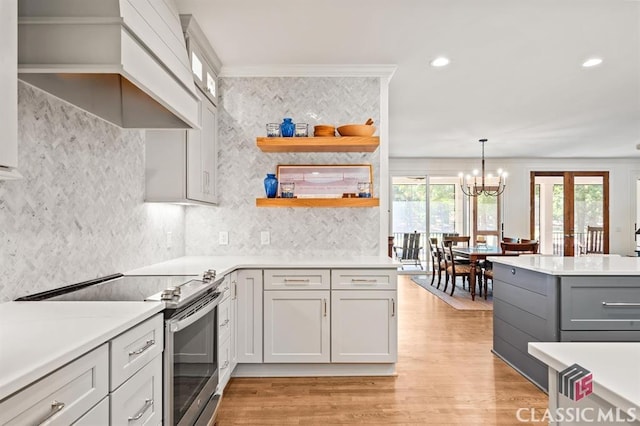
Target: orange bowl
x,y
356,130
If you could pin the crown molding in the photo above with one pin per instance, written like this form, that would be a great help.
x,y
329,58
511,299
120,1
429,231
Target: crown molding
x,y
382,71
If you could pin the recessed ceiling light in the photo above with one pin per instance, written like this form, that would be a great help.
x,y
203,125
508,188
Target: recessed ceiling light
x,y
592,62
440,62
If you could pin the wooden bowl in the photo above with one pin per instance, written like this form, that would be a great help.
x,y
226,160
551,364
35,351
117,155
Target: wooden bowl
x,y
356,130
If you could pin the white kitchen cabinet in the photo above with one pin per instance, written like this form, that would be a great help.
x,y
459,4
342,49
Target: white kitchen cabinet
x,y
249,316
181,164
139,400
97,416
364,326
62,397
234,321
205,64
9,89
297,326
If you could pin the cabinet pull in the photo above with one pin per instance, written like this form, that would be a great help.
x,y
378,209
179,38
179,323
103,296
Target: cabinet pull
x,y
296,280
225,322
225,365
235,290
148,403
55,408
144,348
325,307
621,304
393,307
362,280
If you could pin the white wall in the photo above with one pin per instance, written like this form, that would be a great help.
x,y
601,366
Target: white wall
x,y
622,191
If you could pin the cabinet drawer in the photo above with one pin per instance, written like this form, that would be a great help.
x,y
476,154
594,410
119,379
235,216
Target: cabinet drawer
x,y
97,416
296,279
139,400
74,389
368,279
606,303
224,321
134,348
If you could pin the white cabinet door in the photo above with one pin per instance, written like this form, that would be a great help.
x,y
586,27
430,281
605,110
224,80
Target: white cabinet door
x,y
296,326
249,325
234,320
202,154
8,86
364,326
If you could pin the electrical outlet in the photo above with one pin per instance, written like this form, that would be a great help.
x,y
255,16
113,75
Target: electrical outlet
x,y
169,239
265,239
223,238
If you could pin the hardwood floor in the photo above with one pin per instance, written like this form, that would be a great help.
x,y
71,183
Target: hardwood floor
x,y
446,375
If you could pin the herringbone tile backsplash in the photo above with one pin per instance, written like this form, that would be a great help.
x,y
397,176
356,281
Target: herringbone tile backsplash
x,y
247,104
79,212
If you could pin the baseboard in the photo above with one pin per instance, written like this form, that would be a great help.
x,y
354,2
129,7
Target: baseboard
x,y
313,370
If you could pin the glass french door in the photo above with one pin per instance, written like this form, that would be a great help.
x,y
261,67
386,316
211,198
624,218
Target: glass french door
x,y
564,205
486,218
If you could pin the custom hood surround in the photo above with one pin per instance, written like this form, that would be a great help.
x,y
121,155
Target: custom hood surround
x,y
124,61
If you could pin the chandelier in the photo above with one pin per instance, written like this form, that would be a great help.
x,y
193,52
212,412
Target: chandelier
x,y
473,185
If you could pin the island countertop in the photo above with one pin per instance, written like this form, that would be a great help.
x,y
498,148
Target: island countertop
x,y
611,265
614,366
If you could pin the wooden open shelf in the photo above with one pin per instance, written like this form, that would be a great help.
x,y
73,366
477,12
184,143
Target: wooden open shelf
x,y
317,202
318,144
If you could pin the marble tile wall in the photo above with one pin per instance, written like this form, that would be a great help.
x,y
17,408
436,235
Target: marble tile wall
x,y
247,104
79,212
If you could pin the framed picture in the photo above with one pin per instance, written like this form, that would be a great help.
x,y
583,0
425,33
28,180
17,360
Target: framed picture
x,y
328,181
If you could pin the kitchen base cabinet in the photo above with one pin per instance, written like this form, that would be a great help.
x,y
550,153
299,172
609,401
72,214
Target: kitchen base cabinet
x,y
296,326
249,324
62,397
364,326
97,416
139,399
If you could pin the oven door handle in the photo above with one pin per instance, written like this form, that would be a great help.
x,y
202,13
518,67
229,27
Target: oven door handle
x,y
178,324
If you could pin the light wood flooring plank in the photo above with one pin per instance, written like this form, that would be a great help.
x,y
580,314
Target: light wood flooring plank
x,y
446,375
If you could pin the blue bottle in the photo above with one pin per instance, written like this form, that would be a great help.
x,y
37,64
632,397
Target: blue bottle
x,y
287,128
271,185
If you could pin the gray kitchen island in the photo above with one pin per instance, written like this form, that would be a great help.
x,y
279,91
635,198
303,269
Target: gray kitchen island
x,y
562,299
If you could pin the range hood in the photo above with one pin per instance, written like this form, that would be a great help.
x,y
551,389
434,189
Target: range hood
x,y
124,61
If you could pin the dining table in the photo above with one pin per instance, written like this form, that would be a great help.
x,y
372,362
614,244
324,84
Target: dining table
x,y
475,254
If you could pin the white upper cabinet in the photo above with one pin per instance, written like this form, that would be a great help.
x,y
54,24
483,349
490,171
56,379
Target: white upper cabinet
x,y
9,89
205,64
181,166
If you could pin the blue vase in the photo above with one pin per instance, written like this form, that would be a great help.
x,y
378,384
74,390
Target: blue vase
x,y
271,185
287,128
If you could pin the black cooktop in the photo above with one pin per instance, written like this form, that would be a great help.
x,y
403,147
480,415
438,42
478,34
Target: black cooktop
x,y
115,288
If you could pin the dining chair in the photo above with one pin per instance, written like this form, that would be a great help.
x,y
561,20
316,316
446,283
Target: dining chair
x,y
454,268
519,248
435,260
595,235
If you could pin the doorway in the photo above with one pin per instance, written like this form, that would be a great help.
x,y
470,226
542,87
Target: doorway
x,y
564,206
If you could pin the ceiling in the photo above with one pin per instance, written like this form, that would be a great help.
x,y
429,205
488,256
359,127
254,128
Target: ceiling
x,y
515,75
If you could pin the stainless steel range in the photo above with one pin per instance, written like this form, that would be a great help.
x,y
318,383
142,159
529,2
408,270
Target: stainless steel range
x,y
190,354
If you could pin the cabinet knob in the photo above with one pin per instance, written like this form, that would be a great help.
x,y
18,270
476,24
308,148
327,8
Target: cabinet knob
x,y
513,271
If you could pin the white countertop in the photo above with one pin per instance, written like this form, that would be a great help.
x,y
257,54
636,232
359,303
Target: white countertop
x,y
615,367
37,338
583,265
196,265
